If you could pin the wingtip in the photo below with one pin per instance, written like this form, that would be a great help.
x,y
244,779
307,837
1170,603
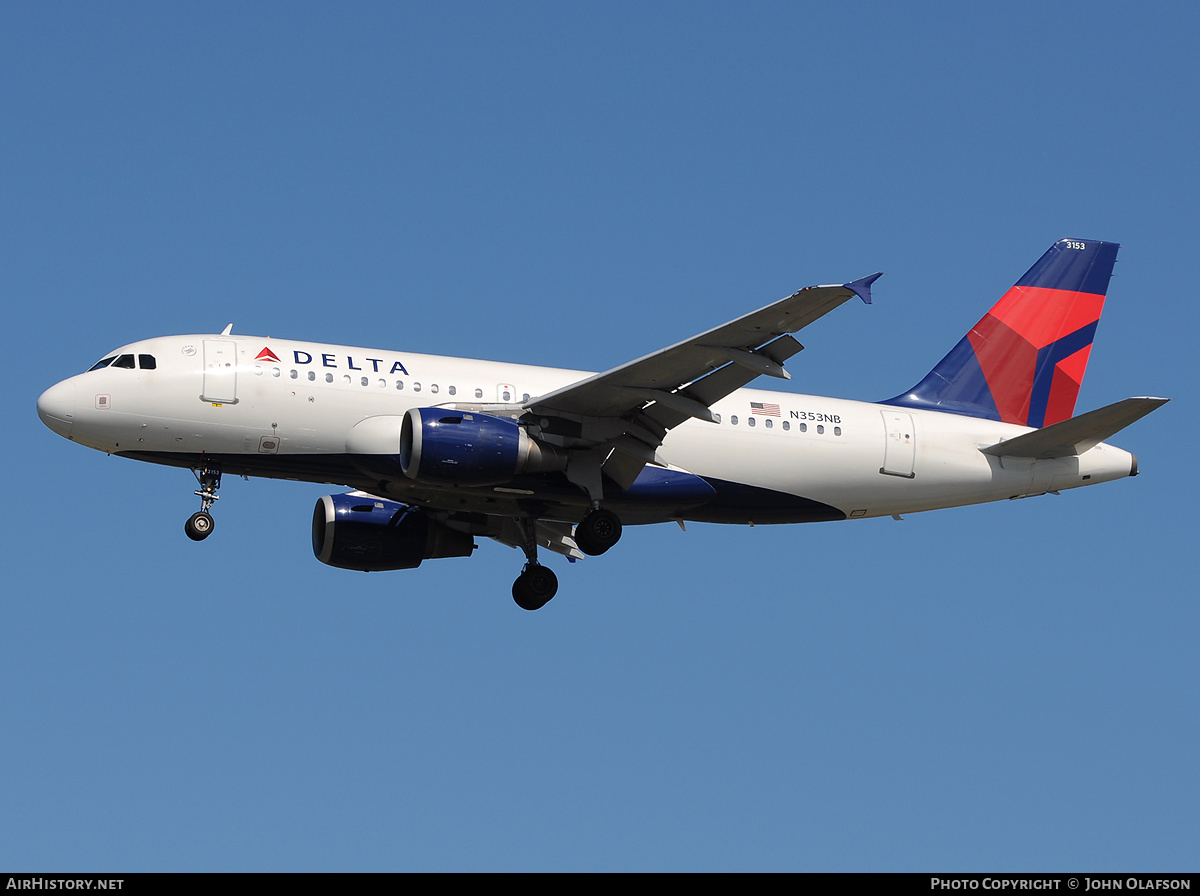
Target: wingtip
x,y
862,286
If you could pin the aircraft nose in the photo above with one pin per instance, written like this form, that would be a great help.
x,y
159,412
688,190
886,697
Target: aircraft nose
x,y
56,407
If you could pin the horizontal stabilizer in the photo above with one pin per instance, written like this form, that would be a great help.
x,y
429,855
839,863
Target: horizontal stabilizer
x,y
1078,434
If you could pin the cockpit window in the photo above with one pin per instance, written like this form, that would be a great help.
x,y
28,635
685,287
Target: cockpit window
x,y
146,362
103,363
125,361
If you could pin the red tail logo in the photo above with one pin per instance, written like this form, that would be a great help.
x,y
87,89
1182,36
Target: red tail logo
x,y
1024,362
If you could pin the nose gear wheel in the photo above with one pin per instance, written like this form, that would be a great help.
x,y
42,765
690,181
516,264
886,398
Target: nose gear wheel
x,y
200,525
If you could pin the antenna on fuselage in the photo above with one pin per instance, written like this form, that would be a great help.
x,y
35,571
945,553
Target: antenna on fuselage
x,y
228,329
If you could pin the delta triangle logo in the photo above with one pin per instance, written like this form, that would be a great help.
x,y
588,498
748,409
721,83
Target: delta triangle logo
x,y
266,355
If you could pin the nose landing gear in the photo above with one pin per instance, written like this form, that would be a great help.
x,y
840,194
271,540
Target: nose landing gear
x,y
200,525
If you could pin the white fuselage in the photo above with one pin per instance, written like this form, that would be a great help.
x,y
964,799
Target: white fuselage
x,y
279,408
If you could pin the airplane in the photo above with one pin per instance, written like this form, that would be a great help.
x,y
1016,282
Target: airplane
x,y
439,450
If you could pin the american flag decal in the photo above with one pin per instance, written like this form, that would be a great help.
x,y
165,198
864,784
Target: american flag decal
x,y
764,409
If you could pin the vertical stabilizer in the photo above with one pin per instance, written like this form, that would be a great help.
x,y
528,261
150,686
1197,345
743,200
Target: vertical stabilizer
x,y
1025,361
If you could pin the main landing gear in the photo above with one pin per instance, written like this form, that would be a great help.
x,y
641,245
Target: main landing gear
x,y
200,525
598,531
536,584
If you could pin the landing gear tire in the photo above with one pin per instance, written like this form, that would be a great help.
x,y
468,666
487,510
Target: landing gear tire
x,y
534,587
199,526
597,532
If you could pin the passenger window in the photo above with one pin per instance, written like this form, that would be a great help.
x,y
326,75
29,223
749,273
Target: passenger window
x,y
451,390
363,381
433,388
767,423
837,430
733,419
146,362
820,430
786,426
750,421
295,374
312,376
103,363
804,427
416,387
399,385
479,393
125,361
329,377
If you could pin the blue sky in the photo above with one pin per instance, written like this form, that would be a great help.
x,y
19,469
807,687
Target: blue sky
x,y
1007,687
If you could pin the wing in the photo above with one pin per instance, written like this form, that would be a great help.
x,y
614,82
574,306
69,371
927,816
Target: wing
x,y
616,420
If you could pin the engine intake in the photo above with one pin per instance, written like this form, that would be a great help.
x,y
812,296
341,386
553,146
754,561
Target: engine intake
x,y
356,531
459,448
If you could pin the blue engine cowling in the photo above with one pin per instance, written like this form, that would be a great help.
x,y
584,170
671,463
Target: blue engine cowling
x,y
357,531
459,448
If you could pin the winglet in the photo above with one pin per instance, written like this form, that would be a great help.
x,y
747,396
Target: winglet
x,y
862,286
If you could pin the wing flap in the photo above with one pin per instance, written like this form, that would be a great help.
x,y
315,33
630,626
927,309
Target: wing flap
x,y
551,535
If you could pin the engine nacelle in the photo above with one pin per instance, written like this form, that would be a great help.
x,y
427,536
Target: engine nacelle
x,y
459,448
356,531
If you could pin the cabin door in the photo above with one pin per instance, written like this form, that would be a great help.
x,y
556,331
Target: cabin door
x,y
220,371
900,446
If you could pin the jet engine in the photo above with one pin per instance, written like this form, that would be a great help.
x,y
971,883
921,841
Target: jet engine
x,y
458,448
357,531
